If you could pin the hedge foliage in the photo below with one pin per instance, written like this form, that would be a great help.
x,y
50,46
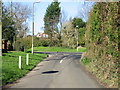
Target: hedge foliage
x,y
102,42
26,43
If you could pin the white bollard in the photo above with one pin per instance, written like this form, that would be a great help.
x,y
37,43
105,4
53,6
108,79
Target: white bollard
x,y
19,62
77,48
27,59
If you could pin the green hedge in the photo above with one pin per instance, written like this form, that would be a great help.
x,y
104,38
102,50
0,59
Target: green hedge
x,y
26,43
102,42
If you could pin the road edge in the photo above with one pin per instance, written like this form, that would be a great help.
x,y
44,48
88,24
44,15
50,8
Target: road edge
x,y
7,86
89,72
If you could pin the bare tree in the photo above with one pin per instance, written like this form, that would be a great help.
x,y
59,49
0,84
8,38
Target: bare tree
x,y
68,35
63,18
84,11
20,13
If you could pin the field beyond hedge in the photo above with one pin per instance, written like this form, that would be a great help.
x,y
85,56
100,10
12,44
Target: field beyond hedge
x,y
10,70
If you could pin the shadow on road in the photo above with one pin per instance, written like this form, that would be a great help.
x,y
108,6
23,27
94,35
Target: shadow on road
x,y
50,72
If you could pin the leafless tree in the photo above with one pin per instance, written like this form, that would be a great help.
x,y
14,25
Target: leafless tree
x,y
63,18
20,13
84,11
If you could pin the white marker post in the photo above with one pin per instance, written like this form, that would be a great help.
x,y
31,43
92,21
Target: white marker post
x,y
19,62
77,48
27,59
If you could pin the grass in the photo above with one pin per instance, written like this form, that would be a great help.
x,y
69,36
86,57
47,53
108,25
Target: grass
x,y
10,70
85,61
57,49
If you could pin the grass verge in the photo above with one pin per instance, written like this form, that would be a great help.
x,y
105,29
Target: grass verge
x,y
57,49
10,70
85,61
108,79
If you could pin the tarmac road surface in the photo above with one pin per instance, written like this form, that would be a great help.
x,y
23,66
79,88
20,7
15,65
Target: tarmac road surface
x,y
59,70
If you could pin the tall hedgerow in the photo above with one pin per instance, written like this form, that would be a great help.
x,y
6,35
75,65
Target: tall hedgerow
x,y
102,42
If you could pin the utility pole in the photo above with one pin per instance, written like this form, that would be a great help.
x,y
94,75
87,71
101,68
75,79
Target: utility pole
x,y
11,15
1,28
38,1
33,29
